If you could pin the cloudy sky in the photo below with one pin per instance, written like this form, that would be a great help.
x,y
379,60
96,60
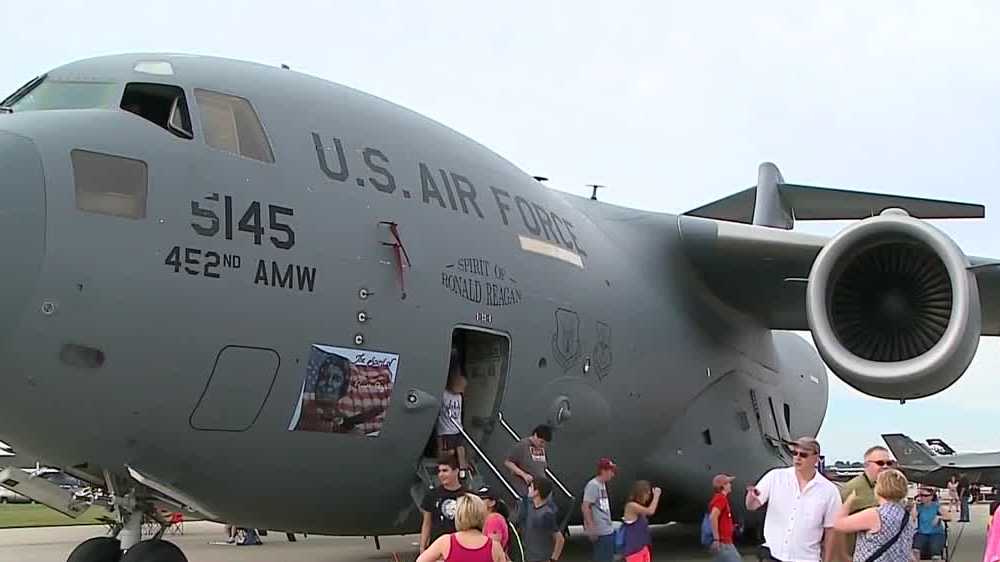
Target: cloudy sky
x,y
672,105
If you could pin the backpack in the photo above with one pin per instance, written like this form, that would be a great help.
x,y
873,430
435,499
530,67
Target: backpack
x,y
620,538
707,537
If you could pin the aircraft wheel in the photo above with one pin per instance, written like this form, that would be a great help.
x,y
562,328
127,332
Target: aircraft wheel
x,y
154,551
97,549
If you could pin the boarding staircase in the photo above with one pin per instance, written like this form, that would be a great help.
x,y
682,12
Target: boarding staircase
x,y
426,473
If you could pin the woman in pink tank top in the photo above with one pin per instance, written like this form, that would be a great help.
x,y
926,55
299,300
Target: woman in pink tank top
x,y
467,543
496,517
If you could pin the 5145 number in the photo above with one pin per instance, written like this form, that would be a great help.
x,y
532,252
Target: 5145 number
x,y
209,224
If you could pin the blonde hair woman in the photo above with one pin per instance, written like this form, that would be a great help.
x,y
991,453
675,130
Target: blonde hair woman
x,y
885,532
467,543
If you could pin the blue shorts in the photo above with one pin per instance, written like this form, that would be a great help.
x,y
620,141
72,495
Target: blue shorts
x,y
604,548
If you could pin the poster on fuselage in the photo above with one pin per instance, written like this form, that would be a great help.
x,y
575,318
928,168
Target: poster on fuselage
x,y
345,391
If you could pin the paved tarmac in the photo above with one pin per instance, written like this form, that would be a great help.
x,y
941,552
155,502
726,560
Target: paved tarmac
x,y
672,543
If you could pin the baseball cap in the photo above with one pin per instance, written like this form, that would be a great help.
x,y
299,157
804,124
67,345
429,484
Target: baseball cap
x,y
606,464
486,493
721,480
807,443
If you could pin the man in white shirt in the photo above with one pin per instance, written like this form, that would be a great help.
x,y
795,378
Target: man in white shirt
x,y
801,508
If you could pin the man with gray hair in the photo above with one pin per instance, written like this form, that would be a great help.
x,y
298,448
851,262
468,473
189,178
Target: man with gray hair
x,y
801,507
877,459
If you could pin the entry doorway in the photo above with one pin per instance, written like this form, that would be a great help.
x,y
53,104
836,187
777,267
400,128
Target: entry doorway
x,y
483,357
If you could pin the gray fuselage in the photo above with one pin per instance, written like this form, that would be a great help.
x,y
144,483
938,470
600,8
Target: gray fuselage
x,y
602,310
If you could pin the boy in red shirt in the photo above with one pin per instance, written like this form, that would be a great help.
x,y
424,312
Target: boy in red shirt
x,y
722,520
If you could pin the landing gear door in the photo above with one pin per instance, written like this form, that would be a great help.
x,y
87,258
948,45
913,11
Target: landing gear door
x,y
769,426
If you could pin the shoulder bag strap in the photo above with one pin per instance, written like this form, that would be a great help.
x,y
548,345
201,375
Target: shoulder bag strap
x,y
881,550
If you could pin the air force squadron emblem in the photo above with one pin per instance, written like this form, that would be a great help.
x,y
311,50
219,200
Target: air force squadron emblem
x,y
566,339
602,351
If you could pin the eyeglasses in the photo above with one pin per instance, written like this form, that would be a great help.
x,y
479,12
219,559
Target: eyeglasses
x,y
884,463
802,454
923,495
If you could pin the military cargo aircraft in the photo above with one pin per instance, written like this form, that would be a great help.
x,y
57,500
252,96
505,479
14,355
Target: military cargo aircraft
x,y
922,464
237,288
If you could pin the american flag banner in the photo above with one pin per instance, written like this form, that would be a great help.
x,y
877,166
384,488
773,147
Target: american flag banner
x,y
345,391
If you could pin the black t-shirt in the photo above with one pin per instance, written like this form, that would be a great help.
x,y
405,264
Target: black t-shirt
x,y
441,504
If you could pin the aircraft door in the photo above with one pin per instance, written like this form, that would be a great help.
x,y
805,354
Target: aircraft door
x,y
483,357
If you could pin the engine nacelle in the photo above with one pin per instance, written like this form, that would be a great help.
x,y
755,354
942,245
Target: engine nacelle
x,y
893,309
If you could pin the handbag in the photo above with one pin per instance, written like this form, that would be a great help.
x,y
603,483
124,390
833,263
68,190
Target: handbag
x,y
881,550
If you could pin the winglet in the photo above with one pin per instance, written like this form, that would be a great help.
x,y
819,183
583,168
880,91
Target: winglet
x,y
768,208
777,204
909,453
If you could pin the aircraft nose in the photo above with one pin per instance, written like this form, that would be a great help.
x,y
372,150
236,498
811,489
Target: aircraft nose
x,y
22,226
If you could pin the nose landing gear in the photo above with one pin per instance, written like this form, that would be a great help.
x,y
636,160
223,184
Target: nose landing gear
x,y
127,534
154,550
97,549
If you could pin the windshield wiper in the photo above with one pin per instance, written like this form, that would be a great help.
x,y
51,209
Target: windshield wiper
x,y
6,109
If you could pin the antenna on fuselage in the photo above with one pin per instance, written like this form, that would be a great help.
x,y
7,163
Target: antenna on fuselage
x,y
286,67
596,186
540,178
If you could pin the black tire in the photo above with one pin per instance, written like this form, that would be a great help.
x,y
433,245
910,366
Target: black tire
x,y
154,551
3,500
97,549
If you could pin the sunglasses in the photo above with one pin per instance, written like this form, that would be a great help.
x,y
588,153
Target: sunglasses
x,y
802,454
923,495
884,463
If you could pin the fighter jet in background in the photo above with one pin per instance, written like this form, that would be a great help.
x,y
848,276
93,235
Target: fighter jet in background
x,y
238,289
940,447
923,464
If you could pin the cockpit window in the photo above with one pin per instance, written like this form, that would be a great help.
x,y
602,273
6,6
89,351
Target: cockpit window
x,y
162,104
63,94
231,124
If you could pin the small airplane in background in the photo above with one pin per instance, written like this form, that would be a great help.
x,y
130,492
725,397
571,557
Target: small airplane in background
x,y
922,463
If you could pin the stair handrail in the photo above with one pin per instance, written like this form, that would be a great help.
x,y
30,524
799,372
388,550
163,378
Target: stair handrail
x,y
548,472
486,459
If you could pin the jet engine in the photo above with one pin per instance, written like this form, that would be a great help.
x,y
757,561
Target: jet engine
x,y
893,308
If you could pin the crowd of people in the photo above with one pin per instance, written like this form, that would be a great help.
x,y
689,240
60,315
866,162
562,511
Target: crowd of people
x,y
459,524
808,518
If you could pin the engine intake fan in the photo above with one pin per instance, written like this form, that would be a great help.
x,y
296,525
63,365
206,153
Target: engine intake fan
x,y
893,309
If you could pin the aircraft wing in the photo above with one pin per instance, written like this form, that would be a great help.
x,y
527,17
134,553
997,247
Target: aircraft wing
x,y
763,271
896,309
